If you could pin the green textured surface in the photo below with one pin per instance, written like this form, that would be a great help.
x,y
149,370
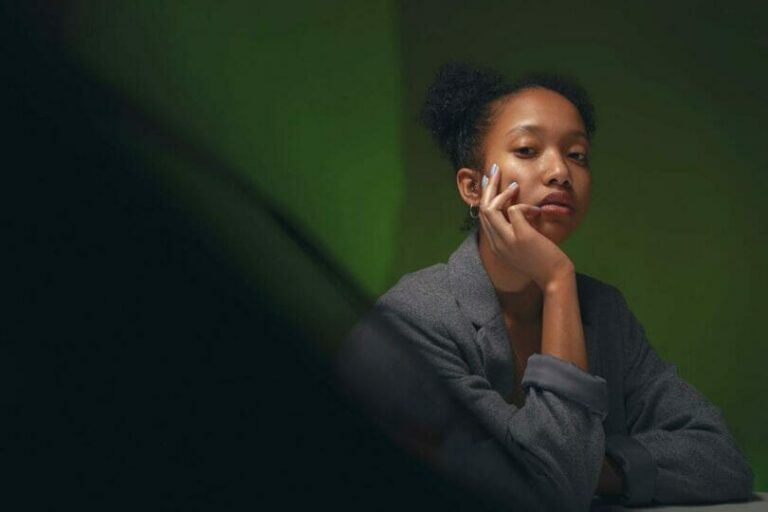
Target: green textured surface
x,y
317,104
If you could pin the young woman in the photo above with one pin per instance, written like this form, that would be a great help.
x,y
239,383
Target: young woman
x,y
551,362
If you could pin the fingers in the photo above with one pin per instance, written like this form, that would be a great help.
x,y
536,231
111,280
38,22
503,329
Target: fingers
x,y
490,185
508,194
490,198
492,205
490,233
519,213
499,222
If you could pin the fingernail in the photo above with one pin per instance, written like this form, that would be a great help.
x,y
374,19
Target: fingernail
x,y
494,168
513,184
484,181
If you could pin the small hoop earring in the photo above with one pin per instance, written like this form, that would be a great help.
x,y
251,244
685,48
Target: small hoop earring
x,y
476,209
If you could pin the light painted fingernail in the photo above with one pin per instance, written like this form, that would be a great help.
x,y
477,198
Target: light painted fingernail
x,y
513,184
494,168
484,181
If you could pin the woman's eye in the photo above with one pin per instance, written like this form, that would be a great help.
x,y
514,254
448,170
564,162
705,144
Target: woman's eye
x,y
525,151
580,157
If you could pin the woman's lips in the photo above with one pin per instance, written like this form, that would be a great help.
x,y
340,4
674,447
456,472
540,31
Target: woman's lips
x,y
556,209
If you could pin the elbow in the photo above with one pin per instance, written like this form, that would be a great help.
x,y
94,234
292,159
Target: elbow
x,y
567,484
561,482
554,495
729,479
734,479
740,481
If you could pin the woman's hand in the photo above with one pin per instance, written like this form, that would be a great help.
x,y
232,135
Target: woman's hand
x,y
515,241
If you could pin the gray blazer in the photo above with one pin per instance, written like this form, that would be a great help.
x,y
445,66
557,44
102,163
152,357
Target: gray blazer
x,y
671,443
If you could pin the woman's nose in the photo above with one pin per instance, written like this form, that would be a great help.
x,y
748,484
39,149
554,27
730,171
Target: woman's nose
x,y
557,170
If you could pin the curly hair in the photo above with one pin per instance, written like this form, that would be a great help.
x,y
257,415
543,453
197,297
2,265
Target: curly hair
x,y
461,104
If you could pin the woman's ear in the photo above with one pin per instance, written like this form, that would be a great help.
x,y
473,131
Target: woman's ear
x,y
468,183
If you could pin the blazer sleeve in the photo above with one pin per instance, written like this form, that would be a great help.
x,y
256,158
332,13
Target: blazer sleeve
x,y
557,436
679,448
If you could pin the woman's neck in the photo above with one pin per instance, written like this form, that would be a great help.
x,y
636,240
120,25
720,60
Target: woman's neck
x,y
520,297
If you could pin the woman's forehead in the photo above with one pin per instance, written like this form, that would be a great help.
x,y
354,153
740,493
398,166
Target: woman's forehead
x,y
539,111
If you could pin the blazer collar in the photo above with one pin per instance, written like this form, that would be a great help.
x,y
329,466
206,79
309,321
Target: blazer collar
x,y
470,283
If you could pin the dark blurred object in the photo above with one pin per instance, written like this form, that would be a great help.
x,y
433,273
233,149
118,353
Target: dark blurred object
x,y
139,368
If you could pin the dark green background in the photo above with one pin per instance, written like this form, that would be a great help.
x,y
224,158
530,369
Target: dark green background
x,y
316,104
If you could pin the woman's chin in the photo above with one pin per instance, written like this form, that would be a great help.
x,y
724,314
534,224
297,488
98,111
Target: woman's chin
x,y
555,231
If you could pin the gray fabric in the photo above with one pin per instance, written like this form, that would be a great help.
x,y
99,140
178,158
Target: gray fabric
x,y
568,380
451,314
638,466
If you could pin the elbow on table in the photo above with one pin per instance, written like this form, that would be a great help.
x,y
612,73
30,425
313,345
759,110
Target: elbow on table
x,y
734,479
561,492
740,481
554,497
732,482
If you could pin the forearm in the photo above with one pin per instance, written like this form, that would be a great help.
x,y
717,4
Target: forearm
x,y
562,334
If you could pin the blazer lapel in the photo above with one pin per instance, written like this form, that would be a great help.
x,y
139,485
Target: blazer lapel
x,y
477,300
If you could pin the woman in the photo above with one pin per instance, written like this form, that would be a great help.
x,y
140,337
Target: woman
x,y
551,362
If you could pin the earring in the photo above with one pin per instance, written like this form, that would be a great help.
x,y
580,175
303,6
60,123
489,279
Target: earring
x,y
476,209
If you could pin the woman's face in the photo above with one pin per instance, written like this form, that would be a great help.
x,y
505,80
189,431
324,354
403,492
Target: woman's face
x,y
538,139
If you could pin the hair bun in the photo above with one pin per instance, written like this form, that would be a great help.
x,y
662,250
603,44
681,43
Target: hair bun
x,y
456,96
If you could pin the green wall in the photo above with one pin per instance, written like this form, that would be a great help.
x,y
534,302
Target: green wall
x,y
316,103
677,219
302,97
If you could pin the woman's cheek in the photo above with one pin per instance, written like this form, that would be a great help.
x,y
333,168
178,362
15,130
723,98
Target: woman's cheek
x,y
517,177
517,169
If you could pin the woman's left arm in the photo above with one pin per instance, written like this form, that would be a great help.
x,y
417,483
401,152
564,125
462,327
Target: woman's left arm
x,y
679,448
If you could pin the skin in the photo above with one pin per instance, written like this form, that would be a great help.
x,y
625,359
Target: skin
x,y
518,242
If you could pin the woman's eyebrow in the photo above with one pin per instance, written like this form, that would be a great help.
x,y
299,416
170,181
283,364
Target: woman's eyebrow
x,y
538,129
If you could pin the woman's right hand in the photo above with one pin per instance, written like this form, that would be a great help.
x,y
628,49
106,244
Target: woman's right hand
x,y
513,239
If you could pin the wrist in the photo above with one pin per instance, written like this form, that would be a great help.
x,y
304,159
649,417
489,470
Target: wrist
x,y
562,280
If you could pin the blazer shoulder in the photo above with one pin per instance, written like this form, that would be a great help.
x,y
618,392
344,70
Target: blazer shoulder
x,y
424,292
596,291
